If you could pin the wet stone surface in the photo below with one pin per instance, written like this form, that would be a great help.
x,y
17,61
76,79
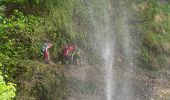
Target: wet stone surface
x,y
88,83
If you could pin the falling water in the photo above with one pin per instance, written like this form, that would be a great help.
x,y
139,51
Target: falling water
x,y
106,37
108,72
110,40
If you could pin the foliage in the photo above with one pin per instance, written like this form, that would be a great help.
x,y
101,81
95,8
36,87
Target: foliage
x,y
41,82
18,36
19,40
156,33
57,24
24,25
7,91
24,30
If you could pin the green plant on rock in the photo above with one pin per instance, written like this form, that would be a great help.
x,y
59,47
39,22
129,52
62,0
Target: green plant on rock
x,y
7,90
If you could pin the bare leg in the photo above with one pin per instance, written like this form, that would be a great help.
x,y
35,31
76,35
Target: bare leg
x,y
46,60
49,60
77,62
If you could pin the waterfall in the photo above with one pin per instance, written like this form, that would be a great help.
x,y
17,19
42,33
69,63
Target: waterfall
x,y
105,36
110,40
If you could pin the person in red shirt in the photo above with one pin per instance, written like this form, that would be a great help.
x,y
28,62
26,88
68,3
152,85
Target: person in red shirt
x,y
46,52
72,54
67,53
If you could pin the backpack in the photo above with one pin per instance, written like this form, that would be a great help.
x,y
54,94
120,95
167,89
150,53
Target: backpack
x,y
43,48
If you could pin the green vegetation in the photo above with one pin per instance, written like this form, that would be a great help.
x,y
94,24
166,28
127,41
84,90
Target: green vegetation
x,y
155,15
7,90
25,24
41,81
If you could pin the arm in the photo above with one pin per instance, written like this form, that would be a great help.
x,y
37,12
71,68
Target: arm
x,y
49,46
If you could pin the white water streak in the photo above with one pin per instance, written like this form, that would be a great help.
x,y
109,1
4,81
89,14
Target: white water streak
x,y
103,39
108,72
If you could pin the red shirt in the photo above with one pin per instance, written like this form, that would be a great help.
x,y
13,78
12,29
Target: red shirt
x,y
46,53
68,49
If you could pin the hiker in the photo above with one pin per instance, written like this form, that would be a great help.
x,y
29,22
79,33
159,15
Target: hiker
x,y
71,54
45,50
76,55
67,53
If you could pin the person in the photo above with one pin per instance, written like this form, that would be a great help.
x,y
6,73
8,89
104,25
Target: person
x,y
67,53
71,54
46,53
76,55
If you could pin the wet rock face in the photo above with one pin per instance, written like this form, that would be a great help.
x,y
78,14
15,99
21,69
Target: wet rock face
x,y
111,40
84,83
87,83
